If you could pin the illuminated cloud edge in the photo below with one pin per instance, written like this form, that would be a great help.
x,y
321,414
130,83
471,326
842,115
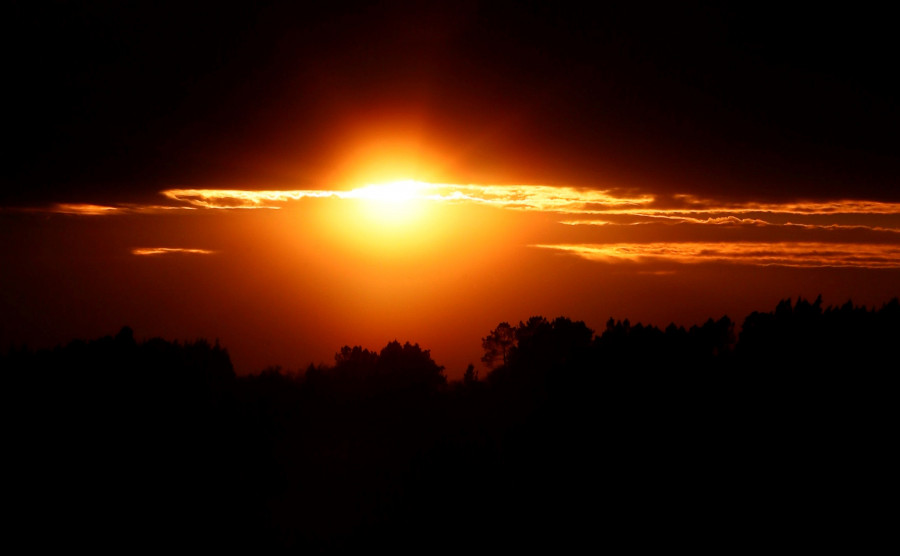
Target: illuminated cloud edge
x,y
146,251
789,254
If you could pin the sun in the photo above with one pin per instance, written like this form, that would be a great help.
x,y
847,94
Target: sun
x,y
395,205
402,191
397,219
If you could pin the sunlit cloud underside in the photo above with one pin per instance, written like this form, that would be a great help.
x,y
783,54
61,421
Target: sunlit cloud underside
x,y
85,209
170,251
599,209
791,254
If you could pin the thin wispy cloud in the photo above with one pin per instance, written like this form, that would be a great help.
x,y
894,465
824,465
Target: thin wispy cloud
x,y
85,209
729,221
692,203
152,251
636,220
789,254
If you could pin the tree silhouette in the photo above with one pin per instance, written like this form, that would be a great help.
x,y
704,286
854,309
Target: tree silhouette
x,y
498,344
410,365
471,375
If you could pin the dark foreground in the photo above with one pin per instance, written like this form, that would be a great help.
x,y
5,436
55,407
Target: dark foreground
x,y
783,436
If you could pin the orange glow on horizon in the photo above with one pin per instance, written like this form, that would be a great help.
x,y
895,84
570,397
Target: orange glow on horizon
x,y
440,263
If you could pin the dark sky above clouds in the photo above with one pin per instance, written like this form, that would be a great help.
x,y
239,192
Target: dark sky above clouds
x,y
110,101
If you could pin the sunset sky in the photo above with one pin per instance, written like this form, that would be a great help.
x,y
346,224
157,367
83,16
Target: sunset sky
x,y
290,180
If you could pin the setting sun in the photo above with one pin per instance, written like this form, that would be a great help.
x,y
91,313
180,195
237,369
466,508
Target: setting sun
x,y
390,206
396,192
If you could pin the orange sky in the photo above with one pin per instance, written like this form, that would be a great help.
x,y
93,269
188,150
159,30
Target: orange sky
x,y
289,276
202,170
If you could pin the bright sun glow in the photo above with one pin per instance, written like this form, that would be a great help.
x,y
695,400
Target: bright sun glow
x,y
396,192
396,219
396,206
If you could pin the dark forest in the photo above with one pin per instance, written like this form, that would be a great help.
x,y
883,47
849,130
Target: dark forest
x,y
701,437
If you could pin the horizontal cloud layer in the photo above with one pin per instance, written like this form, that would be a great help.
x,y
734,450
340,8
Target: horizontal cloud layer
x,y
524,197
809,233
793,254
570,201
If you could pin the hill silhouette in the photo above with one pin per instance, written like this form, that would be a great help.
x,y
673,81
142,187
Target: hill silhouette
x,y
679,436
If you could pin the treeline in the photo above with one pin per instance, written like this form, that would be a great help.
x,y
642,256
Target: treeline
x,y
680,436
